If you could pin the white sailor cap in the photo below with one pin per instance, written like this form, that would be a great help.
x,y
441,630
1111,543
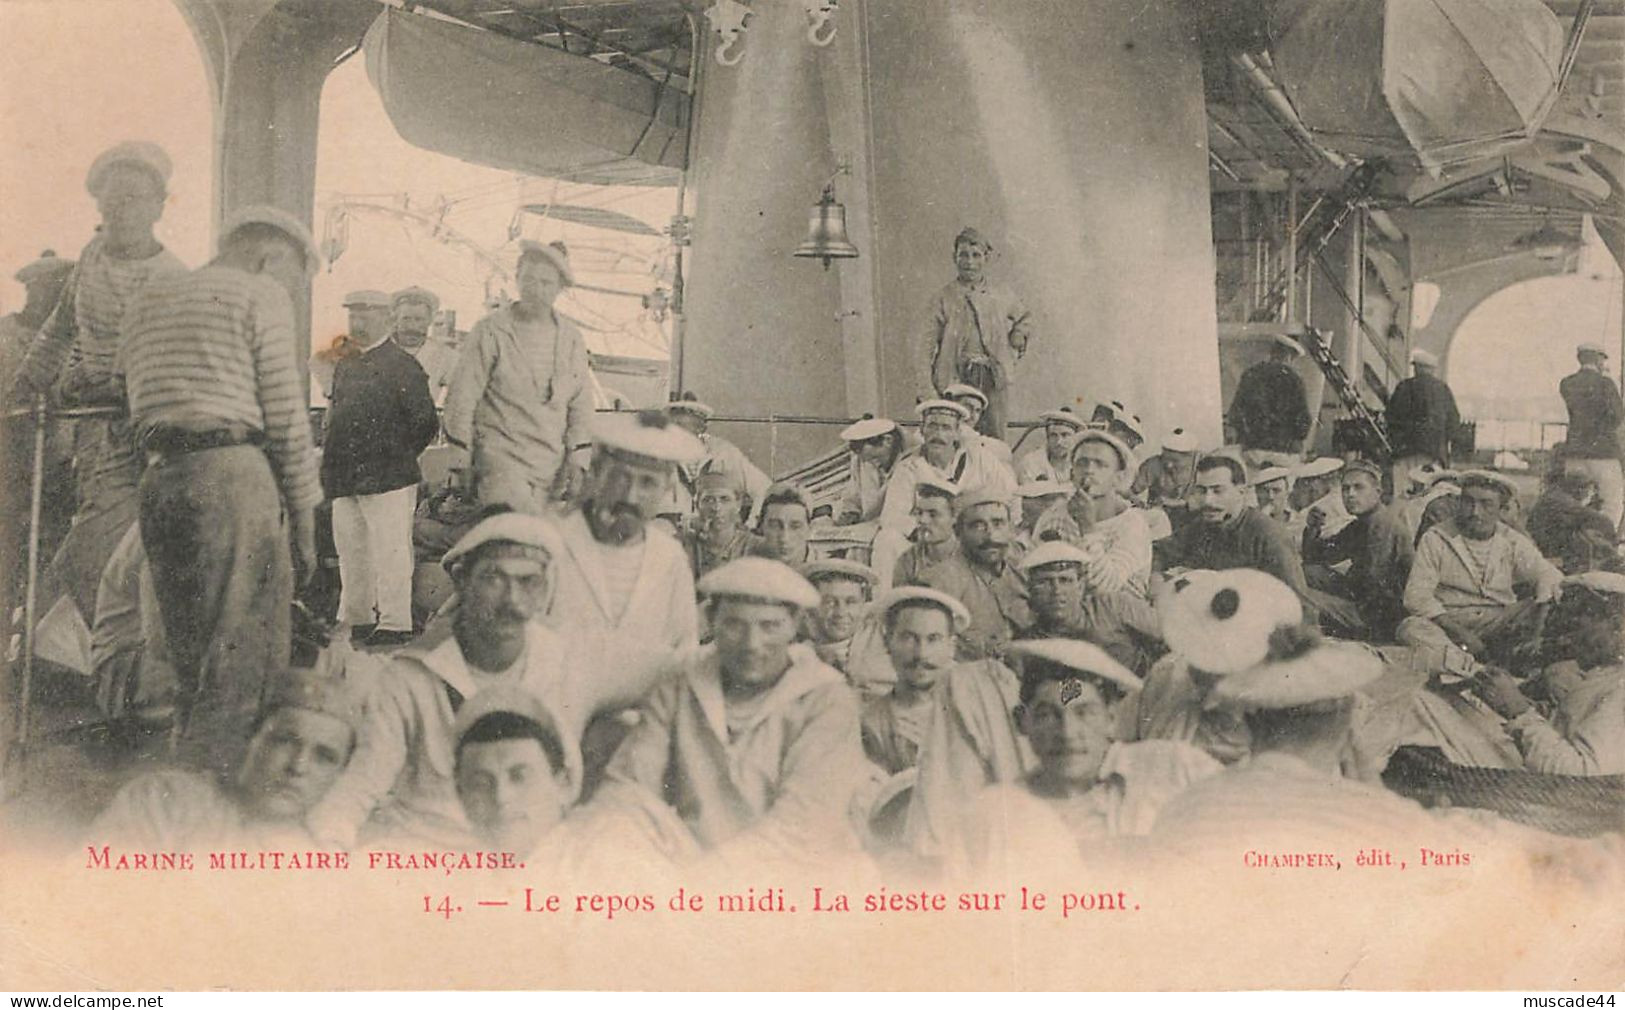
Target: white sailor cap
x,y
1179,440
1084,657
366,298
1043,488
865,428
975,496
925,407
1591,347
554,252
960,389
507,527
839,568
1429,474
1266,474
1320,466
942,486
416,294
140,153
1421,357
279,219
1064,416
1288,341
756,578
718,470
688,403
1127,418
1365,466
1222,621
1301,669
1125,455
959,617
1052,552
49,264
648,436
1487,478
328,694
504,698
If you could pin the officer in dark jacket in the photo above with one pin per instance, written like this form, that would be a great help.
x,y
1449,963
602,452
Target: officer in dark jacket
x,y
1422,419
380,419
1595,413
1270,411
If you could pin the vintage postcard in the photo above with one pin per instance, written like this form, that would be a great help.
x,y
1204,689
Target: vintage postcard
x,y
812,494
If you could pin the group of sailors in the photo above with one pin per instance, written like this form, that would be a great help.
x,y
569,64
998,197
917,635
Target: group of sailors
x,y
651,648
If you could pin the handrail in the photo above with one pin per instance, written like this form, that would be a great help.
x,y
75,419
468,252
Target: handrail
x,y
69,413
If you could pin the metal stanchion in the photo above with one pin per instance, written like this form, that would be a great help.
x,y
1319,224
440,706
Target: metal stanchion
x,y
17,762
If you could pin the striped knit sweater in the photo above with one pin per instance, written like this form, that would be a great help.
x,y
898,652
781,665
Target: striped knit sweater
x,y
82,336
84,329
216,346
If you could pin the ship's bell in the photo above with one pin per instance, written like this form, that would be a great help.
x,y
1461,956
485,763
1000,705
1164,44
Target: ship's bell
x,y
826,231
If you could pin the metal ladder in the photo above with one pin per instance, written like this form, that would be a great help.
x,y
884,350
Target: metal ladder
x,y
1332,368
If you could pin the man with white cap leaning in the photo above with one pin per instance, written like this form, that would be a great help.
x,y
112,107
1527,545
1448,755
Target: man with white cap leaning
x,y
1164,480
717,534
1099,518
839,623
921,628
1269,413
1272,488
751,741
304,738
1051,462
1116,417
1585,733
1463,586
1316,499
1087,785
513,780
217,406
401,783
975,402
43,280
380,419
933,540
626,594
1064,606
1431,501
945,454
982,574
521,396
1595,416
1422,418
75,348
694,416
875,444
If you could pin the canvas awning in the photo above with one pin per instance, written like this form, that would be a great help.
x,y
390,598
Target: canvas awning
x,y
518,106
1440,81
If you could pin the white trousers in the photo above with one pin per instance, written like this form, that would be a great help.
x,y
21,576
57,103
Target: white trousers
x,y
373,534
1610,483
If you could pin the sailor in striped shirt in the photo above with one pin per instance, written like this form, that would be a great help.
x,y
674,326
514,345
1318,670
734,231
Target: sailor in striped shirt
x,y
216,403
74,353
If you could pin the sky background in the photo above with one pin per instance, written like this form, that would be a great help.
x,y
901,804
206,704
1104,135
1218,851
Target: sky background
x,y
111,70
